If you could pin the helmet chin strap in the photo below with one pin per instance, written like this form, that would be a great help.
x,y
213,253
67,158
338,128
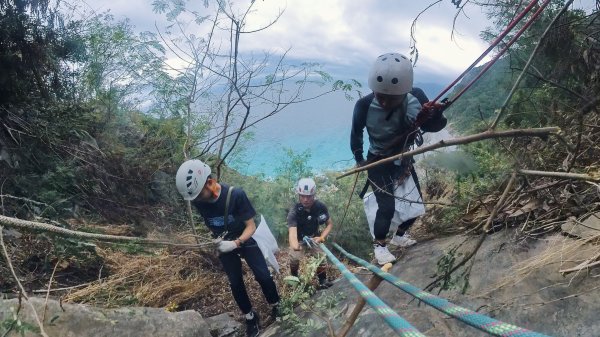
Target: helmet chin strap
x,y
215,190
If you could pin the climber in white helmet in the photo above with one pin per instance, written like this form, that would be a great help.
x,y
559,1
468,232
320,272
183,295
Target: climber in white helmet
x,y
305,219
389,111
229,215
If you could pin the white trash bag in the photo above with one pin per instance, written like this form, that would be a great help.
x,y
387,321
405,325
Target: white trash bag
x,y
267,243
405,207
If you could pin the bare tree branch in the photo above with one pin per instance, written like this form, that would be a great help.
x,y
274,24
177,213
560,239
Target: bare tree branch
x,y
595,177
23,292
486,229
489,134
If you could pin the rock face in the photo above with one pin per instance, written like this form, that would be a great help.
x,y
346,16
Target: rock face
x,y
224,325
590,227
544,301
541,300
80,321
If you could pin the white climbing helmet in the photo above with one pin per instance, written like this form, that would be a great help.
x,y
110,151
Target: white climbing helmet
x,y
306,186
191,177
391,74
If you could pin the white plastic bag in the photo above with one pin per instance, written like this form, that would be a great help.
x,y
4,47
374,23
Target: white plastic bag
x,y
267,243
405,206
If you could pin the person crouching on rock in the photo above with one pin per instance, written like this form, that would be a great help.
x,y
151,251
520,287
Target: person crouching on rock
x,y
304,220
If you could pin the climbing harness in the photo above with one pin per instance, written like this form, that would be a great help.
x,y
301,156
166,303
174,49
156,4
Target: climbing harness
x,y
484,323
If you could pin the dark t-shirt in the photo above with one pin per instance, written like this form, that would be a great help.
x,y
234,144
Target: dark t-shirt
x,y
308,222
240,210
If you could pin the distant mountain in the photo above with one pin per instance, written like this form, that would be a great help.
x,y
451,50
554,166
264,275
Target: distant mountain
x,y
431,89
476,107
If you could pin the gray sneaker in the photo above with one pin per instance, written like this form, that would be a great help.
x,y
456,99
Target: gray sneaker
x,y
402,241
383,255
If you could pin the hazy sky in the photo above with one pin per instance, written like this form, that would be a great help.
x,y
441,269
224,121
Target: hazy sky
x,y
346,36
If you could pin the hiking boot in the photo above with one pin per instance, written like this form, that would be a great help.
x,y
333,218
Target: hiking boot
x,y
324,285
252,329
402,241
383,255
276,311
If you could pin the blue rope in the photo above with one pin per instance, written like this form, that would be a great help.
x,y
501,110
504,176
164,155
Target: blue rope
x,y
397,323
476,320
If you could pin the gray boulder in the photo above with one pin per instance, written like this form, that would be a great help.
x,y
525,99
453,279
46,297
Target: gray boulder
x,y
544,301
79,320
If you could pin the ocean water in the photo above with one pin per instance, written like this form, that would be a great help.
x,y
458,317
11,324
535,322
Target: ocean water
x,y
326,152
321,127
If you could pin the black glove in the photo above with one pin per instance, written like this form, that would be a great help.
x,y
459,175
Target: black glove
x,y
431,118
360,160
433,110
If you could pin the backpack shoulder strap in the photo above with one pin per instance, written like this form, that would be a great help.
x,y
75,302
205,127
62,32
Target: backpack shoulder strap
x,y
226,216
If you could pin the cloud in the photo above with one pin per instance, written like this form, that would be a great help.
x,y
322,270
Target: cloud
x,y
346,36
139,12
353,33
338,33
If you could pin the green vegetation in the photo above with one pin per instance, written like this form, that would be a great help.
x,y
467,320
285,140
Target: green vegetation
x,y
273,198
94,123
298,301
18,326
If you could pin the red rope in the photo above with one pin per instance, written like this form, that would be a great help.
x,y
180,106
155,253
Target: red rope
x,y
428,108
496,41
501,52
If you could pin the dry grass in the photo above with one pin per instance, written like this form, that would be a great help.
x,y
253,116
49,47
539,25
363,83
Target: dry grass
x,y
562,252
159,280
164,278
175,280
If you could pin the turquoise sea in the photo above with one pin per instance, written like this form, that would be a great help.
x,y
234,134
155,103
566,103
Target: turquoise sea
x,y
321,126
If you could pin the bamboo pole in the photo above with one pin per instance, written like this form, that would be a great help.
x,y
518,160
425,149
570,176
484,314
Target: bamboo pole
x,y
372,284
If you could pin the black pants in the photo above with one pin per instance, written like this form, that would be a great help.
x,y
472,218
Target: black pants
x,y
382,178
232,263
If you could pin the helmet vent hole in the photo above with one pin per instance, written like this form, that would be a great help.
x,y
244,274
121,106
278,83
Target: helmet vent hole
x,y
189,184
383,59
394,80
379,79
404,57
397,60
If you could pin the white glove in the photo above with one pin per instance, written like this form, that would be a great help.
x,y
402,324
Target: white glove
x,y
226,246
